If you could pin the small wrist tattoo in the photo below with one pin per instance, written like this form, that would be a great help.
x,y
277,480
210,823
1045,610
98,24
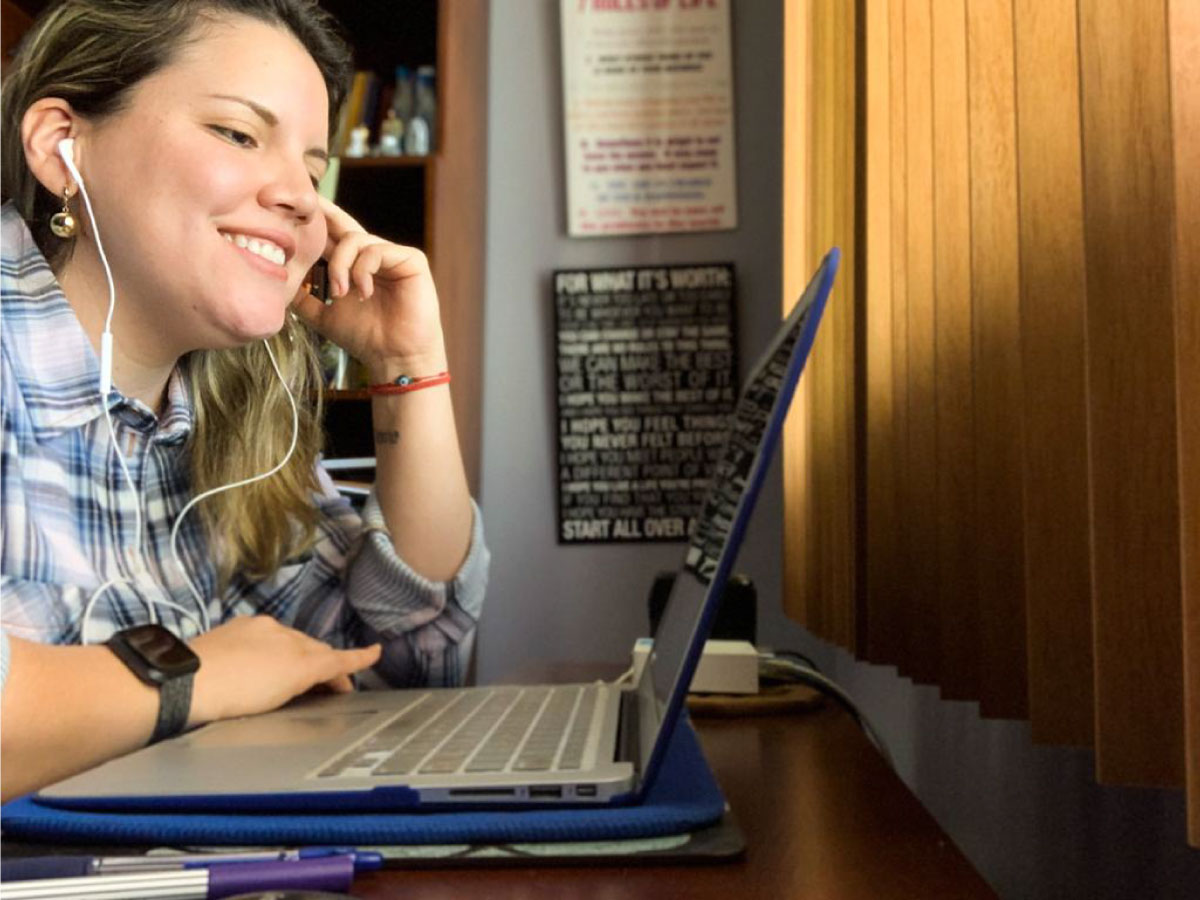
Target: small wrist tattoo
x,y
387,437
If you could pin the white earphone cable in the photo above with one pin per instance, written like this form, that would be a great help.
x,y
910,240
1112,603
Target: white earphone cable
x,y
66,148
200,604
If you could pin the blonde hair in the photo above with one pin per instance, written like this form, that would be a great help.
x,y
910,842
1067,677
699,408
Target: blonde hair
x,y
91,53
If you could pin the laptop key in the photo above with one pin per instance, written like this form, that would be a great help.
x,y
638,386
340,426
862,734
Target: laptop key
x,y
454,752
572,755
542,746
380,744
500,747
409,756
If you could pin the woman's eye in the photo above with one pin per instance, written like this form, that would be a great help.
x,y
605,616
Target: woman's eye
x,y
234,136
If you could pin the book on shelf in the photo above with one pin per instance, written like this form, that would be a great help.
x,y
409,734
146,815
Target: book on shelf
x,y
409,97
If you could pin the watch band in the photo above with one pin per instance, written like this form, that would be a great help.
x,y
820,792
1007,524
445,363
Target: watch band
x,y
161,660
174,706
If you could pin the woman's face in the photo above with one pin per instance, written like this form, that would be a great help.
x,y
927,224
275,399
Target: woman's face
x,y
204,187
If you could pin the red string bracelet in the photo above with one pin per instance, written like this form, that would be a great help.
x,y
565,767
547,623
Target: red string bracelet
x,y
406,383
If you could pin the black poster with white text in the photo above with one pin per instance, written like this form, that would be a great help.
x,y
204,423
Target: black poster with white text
x,y
646,366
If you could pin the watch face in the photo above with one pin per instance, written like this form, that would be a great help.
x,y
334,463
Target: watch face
x,y
161,649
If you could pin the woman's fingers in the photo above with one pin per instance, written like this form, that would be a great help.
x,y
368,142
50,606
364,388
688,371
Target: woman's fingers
x,y
254,663
347,662
339,685
364,267
343,257
338,220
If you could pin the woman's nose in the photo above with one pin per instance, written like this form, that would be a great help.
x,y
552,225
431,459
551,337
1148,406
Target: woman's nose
x,y
292,192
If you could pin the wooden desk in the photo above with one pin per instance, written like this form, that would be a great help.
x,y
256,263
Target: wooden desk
x,y
831,822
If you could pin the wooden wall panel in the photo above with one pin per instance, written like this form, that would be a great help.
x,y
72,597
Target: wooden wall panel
x,y
1185,99
799,554
996,352
880,554
957,605
831,599
919,475
16,23
821,367
894,633
1128,206
1027,330
459,227
843,515
1057,560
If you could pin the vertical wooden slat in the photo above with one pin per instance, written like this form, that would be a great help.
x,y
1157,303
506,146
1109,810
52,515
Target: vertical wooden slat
x,y
820,367
996,352
918,498
957,604
824,226
458,228
880,488
1185,101
1058,585
16,23
895,628
799,556
843,515
1131,383
831,601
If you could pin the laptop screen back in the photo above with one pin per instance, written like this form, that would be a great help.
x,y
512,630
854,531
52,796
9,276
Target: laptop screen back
x,y
719,528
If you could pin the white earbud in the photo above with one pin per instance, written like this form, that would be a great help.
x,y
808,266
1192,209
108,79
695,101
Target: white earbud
x,y
66,149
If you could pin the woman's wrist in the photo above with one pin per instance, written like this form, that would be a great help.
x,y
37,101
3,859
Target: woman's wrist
x,y
416,365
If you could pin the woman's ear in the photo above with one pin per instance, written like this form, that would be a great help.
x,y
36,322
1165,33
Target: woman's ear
x,y
45,123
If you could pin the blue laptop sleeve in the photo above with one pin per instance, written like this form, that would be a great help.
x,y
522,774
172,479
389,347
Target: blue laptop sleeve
x,y
683,798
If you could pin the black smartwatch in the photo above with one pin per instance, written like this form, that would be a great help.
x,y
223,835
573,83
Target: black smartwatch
x,y
161,660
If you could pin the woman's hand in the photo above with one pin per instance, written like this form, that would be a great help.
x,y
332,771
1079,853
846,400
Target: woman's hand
x,y
254,664
385,308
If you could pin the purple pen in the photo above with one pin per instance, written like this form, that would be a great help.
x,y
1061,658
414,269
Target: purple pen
x,y
323,873
25,868
330,873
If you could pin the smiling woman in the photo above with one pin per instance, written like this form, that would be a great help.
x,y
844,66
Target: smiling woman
x,y
199,130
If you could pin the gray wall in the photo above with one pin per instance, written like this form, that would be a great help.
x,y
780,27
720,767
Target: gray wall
x,y
590,601
1031,818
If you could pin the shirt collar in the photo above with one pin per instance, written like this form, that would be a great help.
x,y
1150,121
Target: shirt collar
x,y
49,354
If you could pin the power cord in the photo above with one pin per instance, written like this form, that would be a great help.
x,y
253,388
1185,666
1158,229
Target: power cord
x,y
799,657
776,666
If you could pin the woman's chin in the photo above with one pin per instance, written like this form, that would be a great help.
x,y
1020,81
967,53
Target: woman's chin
x,y
247,331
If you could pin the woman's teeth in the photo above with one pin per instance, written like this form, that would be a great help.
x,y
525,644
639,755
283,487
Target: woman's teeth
x,y
265,249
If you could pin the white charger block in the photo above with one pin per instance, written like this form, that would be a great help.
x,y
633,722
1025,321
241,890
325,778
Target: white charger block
x,y
727,667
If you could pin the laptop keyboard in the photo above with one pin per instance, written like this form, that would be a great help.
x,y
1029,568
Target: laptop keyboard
x,y
535,729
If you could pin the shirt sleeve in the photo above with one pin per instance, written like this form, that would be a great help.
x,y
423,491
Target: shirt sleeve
x,y
3,659
354,590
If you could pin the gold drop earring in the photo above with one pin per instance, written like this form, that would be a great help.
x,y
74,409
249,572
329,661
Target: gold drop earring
x,y
63,223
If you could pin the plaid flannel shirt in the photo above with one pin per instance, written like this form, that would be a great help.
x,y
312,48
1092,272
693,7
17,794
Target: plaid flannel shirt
x,y
68,515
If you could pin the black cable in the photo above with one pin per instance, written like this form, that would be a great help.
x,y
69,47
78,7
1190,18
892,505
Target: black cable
x,y
807,676
801,657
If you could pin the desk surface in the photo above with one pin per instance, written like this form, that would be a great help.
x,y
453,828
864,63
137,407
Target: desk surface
x,y
830,822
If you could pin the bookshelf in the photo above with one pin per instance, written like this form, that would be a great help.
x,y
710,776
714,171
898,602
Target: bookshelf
x,y
434,202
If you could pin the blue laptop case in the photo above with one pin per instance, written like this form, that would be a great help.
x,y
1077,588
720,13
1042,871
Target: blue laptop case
x,y
683,798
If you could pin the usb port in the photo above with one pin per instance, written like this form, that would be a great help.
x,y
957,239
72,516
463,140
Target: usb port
x,y
546,791
585,790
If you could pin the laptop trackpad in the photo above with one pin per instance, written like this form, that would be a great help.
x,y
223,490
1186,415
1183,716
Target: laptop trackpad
x,y
279,730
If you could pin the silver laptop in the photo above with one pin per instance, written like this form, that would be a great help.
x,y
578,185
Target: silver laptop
x,y
541,745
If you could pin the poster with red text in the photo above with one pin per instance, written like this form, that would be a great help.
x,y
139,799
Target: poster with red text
x,y
648,118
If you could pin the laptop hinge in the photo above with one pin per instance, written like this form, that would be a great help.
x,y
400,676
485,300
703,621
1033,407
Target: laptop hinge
x,y
628,729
